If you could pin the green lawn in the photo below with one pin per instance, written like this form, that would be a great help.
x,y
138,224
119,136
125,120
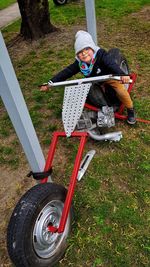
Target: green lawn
x,y
112,202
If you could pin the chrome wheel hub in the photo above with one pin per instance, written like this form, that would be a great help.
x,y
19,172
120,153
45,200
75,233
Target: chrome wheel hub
x,y
45,242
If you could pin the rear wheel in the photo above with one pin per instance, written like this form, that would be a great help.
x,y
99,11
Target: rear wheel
x,y
96,95
29,241
119,58
60,2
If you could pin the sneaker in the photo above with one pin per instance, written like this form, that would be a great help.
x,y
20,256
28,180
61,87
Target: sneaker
x,y
131,116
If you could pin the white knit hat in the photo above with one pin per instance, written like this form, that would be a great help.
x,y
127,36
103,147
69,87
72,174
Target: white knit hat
x,y
82,40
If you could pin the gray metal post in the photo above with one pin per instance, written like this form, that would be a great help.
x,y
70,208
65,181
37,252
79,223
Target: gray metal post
x,y
16,107
91,18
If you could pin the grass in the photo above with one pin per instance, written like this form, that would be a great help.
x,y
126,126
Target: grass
x,y
6,3
115,9
112,202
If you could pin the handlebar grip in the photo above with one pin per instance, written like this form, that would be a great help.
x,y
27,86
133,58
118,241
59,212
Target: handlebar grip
x,y
118,78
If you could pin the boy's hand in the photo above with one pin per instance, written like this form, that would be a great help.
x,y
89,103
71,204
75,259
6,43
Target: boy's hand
x,y
125,79
44,87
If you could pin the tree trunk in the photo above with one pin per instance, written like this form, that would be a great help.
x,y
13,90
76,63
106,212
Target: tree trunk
x,y
35,19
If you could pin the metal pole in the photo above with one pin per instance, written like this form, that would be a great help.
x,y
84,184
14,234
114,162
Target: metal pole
x,y
14,102
91,19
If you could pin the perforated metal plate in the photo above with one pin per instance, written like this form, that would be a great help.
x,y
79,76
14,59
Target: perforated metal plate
x,y
73,104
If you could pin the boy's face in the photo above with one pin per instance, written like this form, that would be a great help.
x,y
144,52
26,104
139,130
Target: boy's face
x,y
86,54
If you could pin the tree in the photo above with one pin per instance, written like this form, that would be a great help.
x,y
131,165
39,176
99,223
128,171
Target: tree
x,y
35,19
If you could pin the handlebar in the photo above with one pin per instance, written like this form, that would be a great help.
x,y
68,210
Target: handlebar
x,y
87,80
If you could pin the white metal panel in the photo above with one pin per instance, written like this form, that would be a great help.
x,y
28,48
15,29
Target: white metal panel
x,y
73,104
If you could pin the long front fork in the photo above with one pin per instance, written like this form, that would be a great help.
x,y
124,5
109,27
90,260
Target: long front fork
x,y
73,179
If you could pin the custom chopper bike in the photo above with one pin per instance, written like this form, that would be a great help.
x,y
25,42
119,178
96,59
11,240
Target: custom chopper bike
x,y
41,221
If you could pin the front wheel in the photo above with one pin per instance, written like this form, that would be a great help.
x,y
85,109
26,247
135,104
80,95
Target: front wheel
x,y
60,2
29,241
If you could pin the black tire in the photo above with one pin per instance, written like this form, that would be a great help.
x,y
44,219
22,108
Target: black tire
x,y
96,96
60,2
120,59
29,242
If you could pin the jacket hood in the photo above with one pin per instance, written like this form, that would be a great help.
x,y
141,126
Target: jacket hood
x,y
82,40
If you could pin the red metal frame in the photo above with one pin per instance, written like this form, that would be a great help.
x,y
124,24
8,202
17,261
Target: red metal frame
x,y
91,107
118,114
73,179
121,109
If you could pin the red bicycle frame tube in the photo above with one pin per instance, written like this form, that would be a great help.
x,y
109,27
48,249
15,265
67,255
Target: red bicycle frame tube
x,y
73,178
91,107
124,117
118,114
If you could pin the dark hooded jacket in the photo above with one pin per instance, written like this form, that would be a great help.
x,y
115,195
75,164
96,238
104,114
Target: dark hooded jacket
x,y
103,65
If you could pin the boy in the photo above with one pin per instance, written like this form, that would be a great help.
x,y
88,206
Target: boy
x,y
92,61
